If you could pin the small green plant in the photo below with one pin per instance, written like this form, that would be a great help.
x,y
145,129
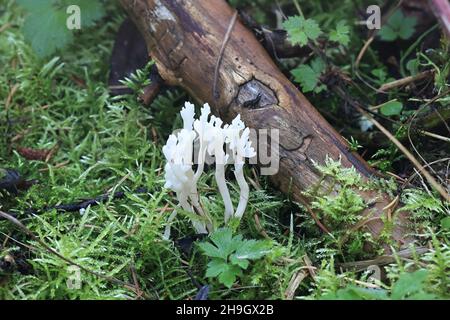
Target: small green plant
x,y
398,27
45,27
230,255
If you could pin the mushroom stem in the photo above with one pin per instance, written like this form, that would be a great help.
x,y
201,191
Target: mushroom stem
x,y
244,190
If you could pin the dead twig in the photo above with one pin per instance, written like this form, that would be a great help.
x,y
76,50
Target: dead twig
x,y
406,152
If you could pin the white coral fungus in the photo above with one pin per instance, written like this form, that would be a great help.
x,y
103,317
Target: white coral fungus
x,y
212,138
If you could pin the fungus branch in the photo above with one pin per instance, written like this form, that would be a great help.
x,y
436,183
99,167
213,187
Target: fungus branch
x,y
213,138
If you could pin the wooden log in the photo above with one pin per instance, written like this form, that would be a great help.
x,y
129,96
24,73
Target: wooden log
x,y
185,40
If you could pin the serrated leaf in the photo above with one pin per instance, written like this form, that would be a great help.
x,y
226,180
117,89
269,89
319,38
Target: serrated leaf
x,y
306,77
243,263
229,275
409,284
341,34
225,242
391,108
300,30
398,26
212,251
215,267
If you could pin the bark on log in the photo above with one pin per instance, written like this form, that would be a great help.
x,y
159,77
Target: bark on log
x,y
185,38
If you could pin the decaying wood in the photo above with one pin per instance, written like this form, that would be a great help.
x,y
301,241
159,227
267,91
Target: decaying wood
x,y
185,39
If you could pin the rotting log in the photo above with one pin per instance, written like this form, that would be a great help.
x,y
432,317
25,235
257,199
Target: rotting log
x,y
185,40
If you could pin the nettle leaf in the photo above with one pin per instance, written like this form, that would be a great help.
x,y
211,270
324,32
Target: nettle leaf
x,y
341,34
308,76
45,26
392,108
300,30
398,26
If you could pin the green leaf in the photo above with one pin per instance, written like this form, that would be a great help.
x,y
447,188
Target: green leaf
x,y
215,267
45,26
318,65
252,250
409,284
380,74
445,223
301,30
224,240
243,263
413,66
227,273
341,34
306,77
398,26
352,292
391,108
212,251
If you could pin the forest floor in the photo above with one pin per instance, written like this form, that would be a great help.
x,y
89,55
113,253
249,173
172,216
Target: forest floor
x,y
71,140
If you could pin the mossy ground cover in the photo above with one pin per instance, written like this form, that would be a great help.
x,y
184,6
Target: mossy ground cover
x,y
106,144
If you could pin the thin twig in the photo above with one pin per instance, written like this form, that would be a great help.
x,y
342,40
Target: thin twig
x,y
222,50
406,152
